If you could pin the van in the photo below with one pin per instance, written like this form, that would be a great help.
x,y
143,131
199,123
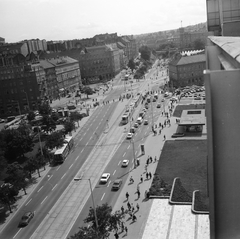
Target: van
x,y
139,120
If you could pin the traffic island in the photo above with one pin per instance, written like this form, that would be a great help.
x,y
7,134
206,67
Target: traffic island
x,y
200,204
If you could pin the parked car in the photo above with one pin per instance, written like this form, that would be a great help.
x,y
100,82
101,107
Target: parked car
x,y
145,122
129,135
132,130
154,100
177,135
139,120
117,184
26,218
158,105
105,177
125,163
135,125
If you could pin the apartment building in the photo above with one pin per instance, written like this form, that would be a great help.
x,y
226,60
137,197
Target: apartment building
x,y
99,63
186,70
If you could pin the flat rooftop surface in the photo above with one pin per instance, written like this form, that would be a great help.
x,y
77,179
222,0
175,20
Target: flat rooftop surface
x,y
193,117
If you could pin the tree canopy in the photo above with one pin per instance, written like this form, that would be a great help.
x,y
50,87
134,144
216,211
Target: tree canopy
x,y
199,44
45,109
107,222
69,126
55,139
49,124
131,64
87,90
145,53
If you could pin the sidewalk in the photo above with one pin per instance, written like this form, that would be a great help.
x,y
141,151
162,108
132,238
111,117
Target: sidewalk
x,y
153,146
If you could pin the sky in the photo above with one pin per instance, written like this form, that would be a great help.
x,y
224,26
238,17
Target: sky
x,y
78,19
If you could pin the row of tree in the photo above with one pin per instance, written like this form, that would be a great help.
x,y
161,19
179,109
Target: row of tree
x,y
16,144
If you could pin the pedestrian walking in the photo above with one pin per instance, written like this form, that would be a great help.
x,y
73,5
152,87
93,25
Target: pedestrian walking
x,y
160,124
122,209
133,209
160,131
146,193
127,195
151,159
131,180
164,137
116,235
141,179
129,206
134,218
147,175
155,159
137,206
150,175
122,226
138,193
146,168
126,230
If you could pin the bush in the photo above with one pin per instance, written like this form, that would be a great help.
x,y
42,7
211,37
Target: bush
x,y
159,187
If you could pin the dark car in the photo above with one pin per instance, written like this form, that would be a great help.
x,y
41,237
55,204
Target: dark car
x,y
177,135
26,218
117,184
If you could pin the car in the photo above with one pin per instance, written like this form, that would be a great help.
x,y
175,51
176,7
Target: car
x,y
117,184
132,130
177,135
162,100
144,110
26,218
125,163
145,122
105,177
2,120
129,135
135,125
154,100
139,120
158,105
146,106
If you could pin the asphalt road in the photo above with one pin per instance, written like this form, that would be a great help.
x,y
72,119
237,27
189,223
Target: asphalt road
x,y
103,193
59,177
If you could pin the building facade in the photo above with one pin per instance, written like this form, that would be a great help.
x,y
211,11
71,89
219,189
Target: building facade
x,y
187,70
99,63
223,17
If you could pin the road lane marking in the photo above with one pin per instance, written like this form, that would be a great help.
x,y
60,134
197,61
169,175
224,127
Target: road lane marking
x,y
54,187
17,232
81,150
114,172
132,161
70,166
63,175
44,200
128,146
109,183
119,162
50,177
136,152
124,154
102,196
39,189
58,168
28,202
77,157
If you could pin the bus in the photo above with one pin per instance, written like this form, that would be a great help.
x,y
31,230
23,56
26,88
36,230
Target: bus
x,y
125,118
61,154
69,141
126,77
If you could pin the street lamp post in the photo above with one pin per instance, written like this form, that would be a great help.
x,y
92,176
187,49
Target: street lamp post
x,y
133,146
94,208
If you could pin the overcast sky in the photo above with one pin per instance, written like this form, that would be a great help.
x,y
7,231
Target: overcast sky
x,y
77,19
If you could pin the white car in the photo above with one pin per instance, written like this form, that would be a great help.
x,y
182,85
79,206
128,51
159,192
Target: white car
x,y
139,120
129,135
125,163
105,177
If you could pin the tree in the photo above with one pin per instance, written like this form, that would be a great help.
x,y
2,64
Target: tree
x,y
30,166
75,116
55,139
199,44
145,53
17,142
49,124
17,176
31,116
55,116
45,109
87,90
131,64
7,194
69,126
107,222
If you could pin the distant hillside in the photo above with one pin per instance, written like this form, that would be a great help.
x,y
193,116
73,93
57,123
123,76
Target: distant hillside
x,y
200,27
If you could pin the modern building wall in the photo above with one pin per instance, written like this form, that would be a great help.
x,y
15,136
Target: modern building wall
x,y
220,13
222,104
